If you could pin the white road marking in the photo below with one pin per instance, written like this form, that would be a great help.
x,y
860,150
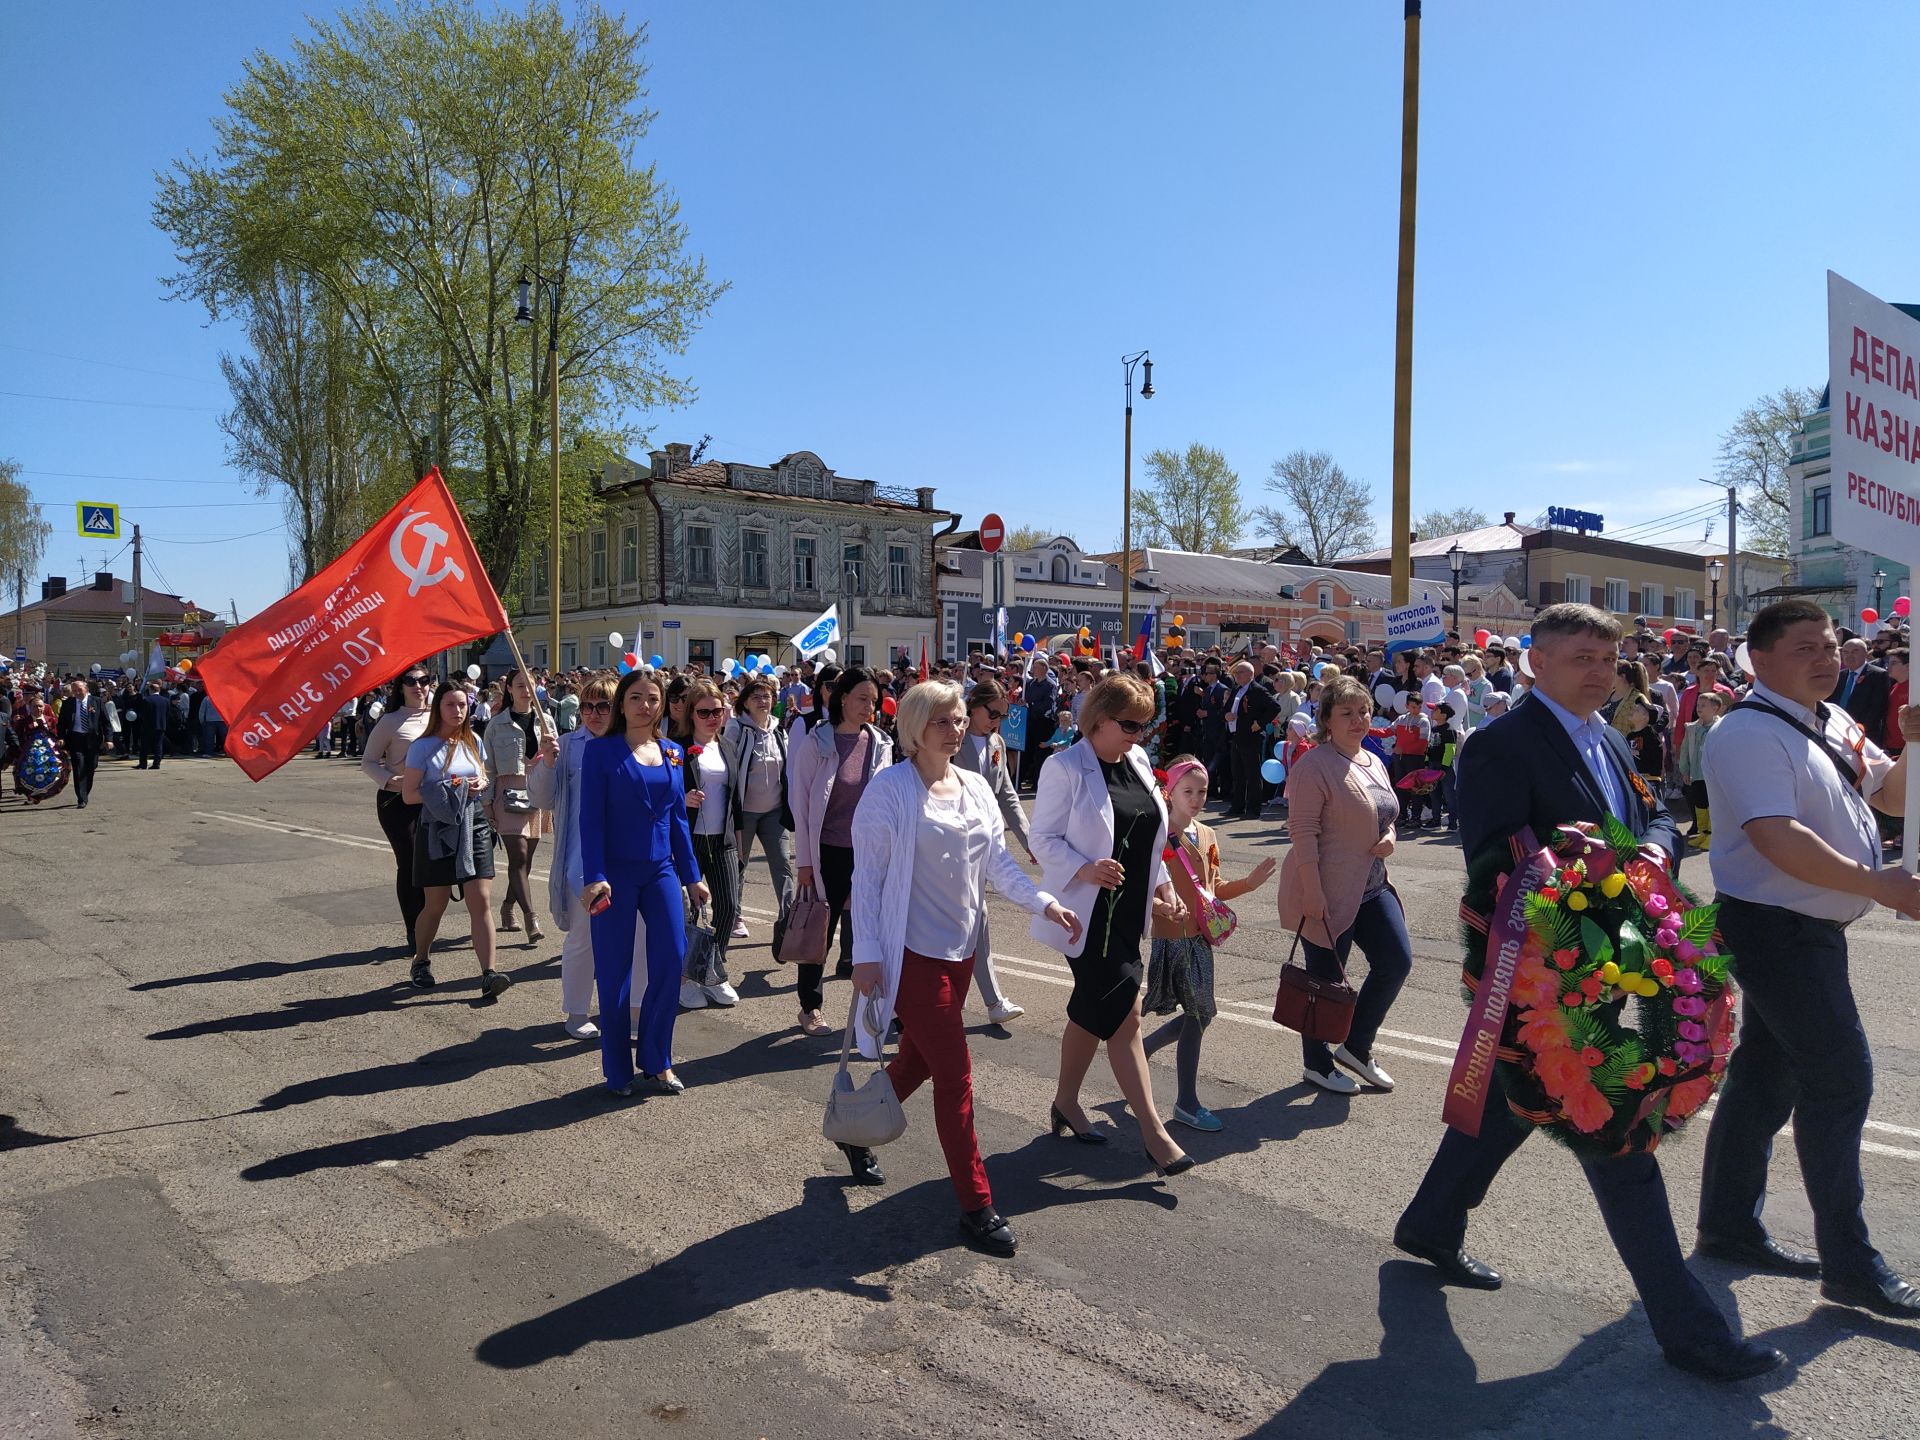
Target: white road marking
x,y
1022,968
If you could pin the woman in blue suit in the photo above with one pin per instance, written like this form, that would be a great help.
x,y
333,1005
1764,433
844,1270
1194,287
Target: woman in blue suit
x,y
636,854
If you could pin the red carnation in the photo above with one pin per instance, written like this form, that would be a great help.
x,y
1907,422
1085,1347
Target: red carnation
x,y
693,751
1591,1056
1547,892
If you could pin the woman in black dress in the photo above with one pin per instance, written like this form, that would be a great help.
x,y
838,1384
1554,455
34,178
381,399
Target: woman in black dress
x,y
1099,827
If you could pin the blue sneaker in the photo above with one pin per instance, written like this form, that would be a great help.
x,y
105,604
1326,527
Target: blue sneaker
x,y
1201,1119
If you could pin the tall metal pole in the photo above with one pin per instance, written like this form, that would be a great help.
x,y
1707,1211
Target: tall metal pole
x,y
553,384
139,612
1403,313
1126,518
1733,557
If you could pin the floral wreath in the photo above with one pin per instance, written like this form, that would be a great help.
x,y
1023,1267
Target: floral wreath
x,y
1621,1015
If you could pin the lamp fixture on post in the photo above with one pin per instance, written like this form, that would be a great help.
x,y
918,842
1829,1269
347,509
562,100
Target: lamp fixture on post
x,y
525,299
1456,562
1716,567
1879,591
1127,362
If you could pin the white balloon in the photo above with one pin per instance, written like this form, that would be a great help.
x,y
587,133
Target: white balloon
x,y
1526,663
1399,701
728,665
780,670
473,672
614,640
1743,658
95,670
1383,695
830,657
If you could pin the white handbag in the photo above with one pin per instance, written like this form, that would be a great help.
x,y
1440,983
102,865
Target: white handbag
x,y
870,1114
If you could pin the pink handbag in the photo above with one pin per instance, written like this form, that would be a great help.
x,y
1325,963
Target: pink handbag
x,y
804,941
1215,919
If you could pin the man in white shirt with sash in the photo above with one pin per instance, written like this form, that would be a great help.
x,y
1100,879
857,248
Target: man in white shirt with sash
x,y
1793,783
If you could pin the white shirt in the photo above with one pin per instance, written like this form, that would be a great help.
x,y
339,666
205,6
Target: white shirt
x,y
1589,736
1758,766
711,817
1233,710
979,744
949,853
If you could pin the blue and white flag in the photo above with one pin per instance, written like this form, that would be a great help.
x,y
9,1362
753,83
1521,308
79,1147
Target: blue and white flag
x,y
821,634
1000,630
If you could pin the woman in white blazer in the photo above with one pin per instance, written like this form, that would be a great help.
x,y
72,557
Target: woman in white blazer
x,y
1099,830
555,786
927,838
828,769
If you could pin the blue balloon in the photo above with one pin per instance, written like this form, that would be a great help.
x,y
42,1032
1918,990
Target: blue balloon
x,y
1526,642
655,661
1280,751
1027,643
1272,771
1318,666
625,669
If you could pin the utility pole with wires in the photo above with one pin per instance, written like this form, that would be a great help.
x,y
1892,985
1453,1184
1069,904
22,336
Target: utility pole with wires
x,y
1733,553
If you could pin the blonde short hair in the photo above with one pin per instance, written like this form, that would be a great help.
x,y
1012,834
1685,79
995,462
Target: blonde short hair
x,y
1118,697
598,687
918,707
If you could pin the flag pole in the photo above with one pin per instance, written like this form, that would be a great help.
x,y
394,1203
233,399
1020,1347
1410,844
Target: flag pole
x,y
546,720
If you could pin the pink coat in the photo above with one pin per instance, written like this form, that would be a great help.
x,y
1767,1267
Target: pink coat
x,y
1333,825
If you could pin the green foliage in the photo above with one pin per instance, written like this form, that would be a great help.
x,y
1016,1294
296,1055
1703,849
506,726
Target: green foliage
x,y
1633,947
408,163
1553,923
1594,942
1190,501
1625,844
1696,924
23,530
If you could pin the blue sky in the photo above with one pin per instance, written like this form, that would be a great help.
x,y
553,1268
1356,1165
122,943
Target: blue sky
x,y
945,222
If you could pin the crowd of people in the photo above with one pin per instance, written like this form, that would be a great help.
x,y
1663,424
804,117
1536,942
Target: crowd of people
x,y
888,801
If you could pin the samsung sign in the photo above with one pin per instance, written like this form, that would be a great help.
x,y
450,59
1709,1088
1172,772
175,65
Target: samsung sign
x,y
1581,520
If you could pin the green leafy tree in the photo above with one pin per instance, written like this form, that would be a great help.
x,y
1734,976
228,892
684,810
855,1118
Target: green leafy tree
x,y
1449,522
1190,501
23,533
409,163
1754,455
1322,509
1029,537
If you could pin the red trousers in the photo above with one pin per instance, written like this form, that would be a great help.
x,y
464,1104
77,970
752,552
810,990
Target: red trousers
x,y
933,1045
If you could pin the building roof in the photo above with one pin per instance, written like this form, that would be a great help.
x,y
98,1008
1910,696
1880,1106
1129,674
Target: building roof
x,y
87,602
625,476
1474,542
1226,577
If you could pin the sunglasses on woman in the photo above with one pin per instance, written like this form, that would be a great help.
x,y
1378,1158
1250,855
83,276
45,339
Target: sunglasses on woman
x,y
596,707
414,680
1133,727
709,712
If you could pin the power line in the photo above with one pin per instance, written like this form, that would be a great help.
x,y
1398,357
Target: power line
x,y
137,479
128,404
216,539
202,505
107,364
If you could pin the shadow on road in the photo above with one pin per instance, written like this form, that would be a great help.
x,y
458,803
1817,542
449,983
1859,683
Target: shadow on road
x,y
273,969
1423,1382
492,1049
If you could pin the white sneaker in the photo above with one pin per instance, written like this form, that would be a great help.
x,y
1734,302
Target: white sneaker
x,y
692,997
1003,1012
740,931
1365,1069
723,995
1333,1080
581,1028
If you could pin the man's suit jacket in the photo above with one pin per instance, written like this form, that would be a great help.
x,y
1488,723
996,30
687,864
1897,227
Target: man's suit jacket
x,y
96,721
1257,711
1522,770
1868,702
998,780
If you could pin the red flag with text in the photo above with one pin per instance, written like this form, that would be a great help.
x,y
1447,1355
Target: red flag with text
x,y
412,585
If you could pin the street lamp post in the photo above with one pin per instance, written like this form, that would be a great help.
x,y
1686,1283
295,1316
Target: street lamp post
x,y
1879,590
524,315
1127,363
1716,567
1456,562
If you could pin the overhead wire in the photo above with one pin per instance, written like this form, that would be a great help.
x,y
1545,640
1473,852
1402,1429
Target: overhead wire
x,y
216,539
138,479
107,364
91,400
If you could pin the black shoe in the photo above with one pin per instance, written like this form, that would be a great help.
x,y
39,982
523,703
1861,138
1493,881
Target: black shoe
x,y
1766,1255
495,983
1176,1167
1456,1267
1886,1294
1088,1136
1729,1359
866,1169
422,977
985,1229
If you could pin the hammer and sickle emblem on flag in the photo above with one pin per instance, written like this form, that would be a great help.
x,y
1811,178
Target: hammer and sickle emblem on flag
x,y
422,573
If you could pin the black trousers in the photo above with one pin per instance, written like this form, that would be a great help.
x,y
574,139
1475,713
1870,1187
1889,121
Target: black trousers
x,y
1802,1054
835,880
1248,796
153,746
1632,1197
397,821
83,753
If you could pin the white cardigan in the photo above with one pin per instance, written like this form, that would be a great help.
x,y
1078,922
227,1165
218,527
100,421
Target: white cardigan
x,y
1073,825
884,830
813,762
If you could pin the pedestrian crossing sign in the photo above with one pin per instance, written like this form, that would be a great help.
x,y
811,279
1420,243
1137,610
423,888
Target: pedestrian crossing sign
x,y
99,521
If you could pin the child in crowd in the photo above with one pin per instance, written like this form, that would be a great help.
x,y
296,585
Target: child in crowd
x,y
1633,717
1412,733
1440,751
1708,707
1180,970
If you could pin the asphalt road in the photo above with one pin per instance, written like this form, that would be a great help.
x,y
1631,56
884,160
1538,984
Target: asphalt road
x,y
278,1193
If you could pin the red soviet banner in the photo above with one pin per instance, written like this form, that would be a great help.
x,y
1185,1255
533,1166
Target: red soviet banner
x,y
413,584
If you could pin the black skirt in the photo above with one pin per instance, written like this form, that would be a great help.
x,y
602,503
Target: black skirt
x,y
1107,973
428,873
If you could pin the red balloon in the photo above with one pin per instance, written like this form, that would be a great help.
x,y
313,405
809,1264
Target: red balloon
x,y
1669,634
1902,607
631,659
1480,637
1870,615
887,707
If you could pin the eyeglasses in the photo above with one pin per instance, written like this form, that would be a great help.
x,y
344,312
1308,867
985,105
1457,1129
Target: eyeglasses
x,y
1134,727
709,712
949,722
996,716
415,680
596,707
